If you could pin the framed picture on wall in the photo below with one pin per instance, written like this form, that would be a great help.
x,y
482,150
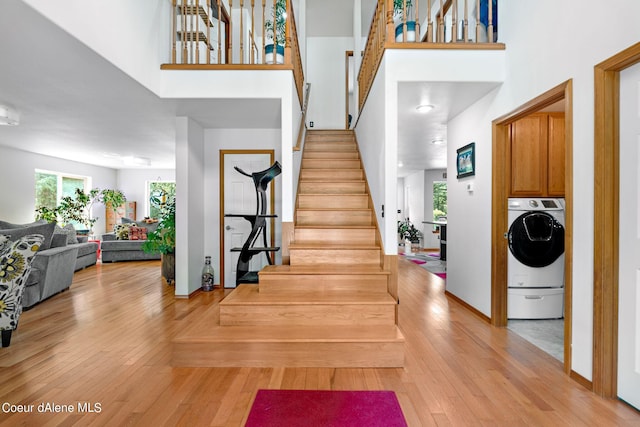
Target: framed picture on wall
x,y
466,160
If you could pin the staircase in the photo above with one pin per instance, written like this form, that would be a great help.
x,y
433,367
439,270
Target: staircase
x,y
330,307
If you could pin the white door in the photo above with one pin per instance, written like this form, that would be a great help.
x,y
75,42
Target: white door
x,y
240,198
629,280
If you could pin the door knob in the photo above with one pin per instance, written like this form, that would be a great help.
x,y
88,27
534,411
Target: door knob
x,y
228,227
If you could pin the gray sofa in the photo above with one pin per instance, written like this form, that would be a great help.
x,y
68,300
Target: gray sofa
x,y
61,254
116,247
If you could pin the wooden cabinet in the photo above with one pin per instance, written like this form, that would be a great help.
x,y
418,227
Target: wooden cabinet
x,y
537,153
128,210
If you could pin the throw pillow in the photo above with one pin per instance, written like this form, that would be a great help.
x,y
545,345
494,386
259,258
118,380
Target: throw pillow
x,y
59,240
137,233
45,230
122,231
72,238
15,265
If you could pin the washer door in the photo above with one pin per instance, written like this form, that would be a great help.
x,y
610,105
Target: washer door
x,y
536,239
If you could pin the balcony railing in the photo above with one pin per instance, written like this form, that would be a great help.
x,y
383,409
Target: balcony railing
x,y
235,34
426,24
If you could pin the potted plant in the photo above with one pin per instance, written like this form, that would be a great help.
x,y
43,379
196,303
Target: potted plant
x,y
112,199
163,239
279,15
76,209
399,18
407,231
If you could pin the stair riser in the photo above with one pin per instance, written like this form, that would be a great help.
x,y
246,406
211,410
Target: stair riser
x,y
308,315
323,187
331,174
333,218
349,201
336,235
288,283
289,354
331,155
330,146
333,256
330,164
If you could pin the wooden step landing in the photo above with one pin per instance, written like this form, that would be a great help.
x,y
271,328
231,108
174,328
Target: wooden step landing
x,y
323,277
246,305
205,345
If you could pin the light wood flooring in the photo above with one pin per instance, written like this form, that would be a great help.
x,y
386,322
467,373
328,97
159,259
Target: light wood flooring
x,y
107,341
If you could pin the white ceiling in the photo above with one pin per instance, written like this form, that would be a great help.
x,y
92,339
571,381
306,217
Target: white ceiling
x,y
76,105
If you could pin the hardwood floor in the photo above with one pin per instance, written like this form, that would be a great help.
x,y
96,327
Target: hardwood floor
x,y
106,342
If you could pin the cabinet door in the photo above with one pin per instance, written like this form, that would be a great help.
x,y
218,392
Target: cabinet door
x,y
529,156
556,154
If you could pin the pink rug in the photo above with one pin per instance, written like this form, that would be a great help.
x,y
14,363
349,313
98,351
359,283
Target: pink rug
x,y
324,408
418,261
441,275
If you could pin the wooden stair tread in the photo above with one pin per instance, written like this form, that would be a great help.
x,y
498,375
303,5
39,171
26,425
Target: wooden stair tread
x,y
331,245
292,333
251,295
338,227
323,269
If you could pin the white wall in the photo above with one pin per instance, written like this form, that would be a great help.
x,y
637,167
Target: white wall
x,y
370,133
536,61
326,73
134,36
17,193
233,139
415,194
134,182
190,201
431,240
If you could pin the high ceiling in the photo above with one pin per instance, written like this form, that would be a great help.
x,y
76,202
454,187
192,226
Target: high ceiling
x,y
83,108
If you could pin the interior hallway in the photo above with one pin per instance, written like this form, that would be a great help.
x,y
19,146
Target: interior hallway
x,y
107,340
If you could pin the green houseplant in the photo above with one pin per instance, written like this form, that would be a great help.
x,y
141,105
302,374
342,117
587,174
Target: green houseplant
x,y
407,231
112,198
399,17
276,32
163,238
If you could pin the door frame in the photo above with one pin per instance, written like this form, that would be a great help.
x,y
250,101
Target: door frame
x,y
272,202
499,212
606,219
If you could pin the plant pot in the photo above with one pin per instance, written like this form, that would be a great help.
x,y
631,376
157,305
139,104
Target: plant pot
x,y
411,32
168,268
268,54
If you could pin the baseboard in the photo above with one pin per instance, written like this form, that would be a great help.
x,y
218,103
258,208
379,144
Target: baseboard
x,y
468,307
581,380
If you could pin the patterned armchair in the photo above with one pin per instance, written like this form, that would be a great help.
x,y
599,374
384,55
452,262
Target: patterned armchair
x,y
15,266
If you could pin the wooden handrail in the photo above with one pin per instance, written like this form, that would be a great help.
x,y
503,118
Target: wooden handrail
x,y
303,119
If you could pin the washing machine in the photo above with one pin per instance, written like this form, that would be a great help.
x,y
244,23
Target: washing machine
x,y
535,265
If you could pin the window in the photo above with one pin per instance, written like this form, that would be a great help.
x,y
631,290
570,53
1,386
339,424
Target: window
x,y
159,192
53,186
439,199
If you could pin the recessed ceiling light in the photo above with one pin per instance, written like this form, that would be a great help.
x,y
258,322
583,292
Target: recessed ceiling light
x,y
424,108
438,141
400,164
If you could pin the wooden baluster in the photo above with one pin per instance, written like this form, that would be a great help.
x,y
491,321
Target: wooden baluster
x,y
404,20
287,34
466,22
478,28
441,24
174,30
454,22
490,28
264,6
230,49
196,17
219,32
242,31
184,32
192,34
253,33
207,16
429,23
417,21
391,31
